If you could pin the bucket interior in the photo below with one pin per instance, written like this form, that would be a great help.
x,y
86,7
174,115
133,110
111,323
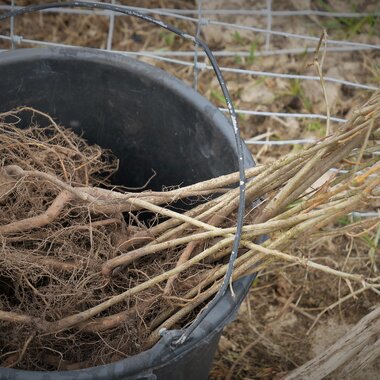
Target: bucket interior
x,y
152,122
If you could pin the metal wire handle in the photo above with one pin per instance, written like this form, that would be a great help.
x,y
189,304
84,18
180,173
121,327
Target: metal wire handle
x,y
239,144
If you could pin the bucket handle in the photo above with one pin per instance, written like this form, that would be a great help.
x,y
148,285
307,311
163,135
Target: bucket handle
x,y
239,144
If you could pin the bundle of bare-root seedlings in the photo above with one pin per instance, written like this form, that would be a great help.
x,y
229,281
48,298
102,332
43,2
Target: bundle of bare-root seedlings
x,y
84,281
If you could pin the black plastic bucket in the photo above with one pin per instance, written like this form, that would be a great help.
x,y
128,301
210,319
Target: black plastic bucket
x,y
150,120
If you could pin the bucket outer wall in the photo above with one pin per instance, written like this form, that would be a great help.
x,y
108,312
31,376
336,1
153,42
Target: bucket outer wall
x,y
150,120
